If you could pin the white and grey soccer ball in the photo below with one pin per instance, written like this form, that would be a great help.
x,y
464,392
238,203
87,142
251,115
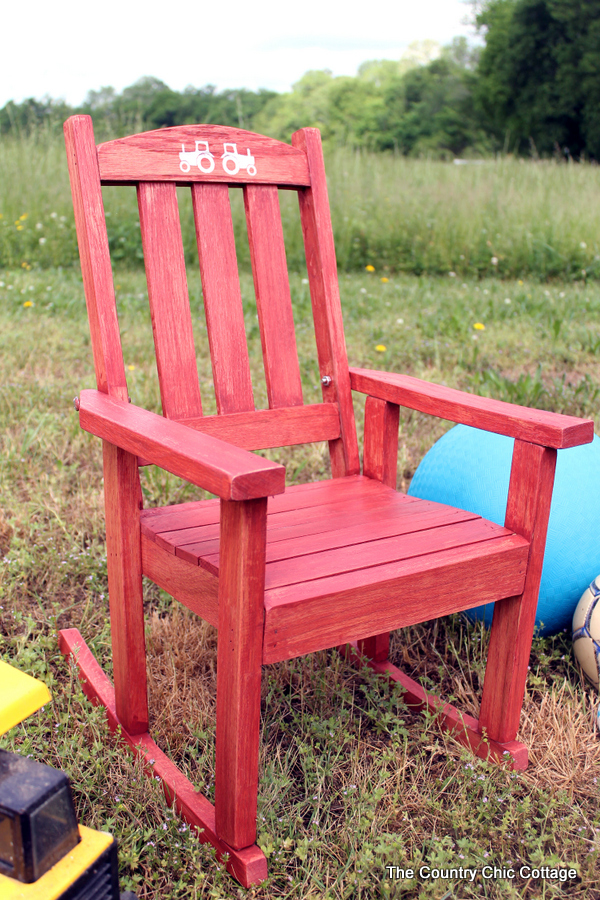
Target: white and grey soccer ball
x,y
586,632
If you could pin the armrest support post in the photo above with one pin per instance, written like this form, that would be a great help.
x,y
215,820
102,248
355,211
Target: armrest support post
x,y
380,459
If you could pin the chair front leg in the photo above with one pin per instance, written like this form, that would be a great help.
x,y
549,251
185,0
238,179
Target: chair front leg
x,y
527,513
124,563
380,461
239,661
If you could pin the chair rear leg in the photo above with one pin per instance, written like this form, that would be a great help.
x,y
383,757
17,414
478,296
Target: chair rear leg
x,y
239,662
124,563
376,647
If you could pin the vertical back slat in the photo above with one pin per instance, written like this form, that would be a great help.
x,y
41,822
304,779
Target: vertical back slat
x,y
325,297
169,302
273,300
222,298
95,257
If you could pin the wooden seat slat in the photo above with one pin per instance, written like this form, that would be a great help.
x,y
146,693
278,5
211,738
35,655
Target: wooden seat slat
x,y
371,554
298,496
165,518
349,533
333,521
273,299
169,301
176,529
323,535
278,522
302,618
325,586
305,559
222,298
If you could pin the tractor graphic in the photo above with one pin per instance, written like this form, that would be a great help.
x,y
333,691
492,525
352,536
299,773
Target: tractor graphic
x,y
234,161
201,157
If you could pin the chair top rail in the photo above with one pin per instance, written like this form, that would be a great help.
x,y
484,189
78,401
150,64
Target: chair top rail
x,y
190,153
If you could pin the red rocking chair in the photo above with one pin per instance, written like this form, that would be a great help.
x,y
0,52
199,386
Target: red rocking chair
x,y
281,572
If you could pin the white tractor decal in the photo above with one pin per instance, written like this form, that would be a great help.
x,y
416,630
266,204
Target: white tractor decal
x,y
234,161
231,160
201,157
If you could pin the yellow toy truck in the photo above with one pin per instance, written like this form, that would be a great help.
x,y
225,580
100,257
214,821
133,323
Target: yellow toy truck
x,y
44,853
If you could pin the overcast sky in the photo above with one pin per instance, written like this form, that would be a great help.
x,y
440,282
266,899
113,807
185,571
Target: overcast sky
x,y
64,48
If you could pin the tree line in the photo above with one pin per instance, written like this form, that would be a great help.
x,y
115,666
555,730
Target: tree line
x,y
531,88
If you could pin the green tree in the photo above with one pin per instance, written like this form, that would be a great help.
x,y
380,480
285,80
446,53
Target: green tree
x,y
538,80
430,109
414,105
149,103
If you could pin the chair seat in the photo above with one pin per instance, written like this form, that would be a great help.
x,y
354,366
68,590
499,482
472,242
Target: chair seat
x,y
328,538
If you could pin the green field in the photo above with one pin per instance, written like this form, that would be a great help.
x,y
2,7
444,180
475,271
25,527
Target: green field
x,y
350,781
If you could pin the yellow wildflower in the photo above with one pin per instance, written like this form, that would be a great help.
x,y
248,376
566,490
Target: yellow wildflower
x,y
369,268
381,348
384,280
28,303
23,217
20,227
131,367
479,326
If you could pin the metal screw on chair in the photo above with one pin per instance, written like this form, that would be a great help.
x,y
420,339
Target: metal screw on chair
x,y
326,380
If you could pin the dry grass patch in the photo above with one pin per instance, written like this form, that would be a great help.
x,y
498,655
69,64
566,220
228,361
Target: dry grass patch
x,y
559,727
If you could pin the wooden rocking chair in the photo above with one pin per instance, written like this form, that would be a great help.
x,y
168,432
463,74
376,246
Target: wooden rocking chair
x,y
281,572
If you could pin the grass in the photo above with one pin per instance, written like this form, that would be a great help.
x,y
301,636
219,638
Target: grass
x,y
503,217
351,782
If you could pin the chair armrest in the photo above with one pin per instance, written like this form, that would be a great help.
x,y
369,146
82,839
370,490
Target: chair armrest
x,y
214,465
533,425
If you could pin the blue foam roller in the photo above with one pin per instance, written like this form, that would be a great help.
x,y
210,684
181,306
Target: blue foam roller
x,y
470,469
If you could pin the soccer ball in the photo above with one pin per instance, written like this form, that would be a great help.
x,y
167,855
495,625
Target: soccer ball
x,y
586,632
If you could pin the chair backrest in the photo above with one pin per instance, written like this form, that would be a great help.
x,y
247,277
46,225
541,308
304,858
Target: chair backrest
x,y
210,159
